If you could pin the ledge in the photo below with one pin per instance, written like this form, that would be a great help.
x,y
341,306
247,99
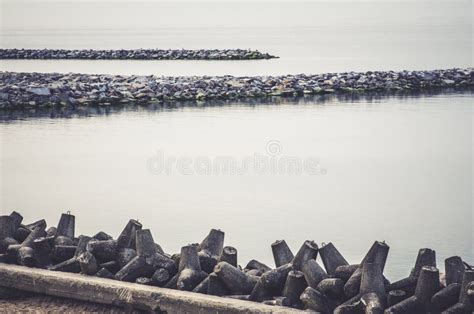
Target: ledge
x,y
113,292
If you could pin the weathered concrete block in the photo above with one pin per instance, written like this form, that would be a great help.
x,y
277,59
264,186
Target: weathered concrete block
x,y
396,296
102,236
203,286
254,272
126,239
313,273
51,232
446,297
315,300
26,256
213,243
309,250
62,253
190,273
7,227
173,282
229,255
125,255
281,253
38,231
63,240
82,245
5,243
42,250
159,260
254,264
71,266
111,266
345,271
104,251
454,268
377,254
144,243
216,286
409,305
332,287
88,263
276,278
189,278
372,280
207,261
427,285
17,219
236,280
372,303
66,225
294,286
160,277
105,273
135,268
331,258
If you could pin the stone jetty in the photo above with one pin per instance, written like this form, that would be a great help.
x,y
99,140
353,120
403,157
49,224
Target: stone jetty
x,y
297,281
36,90
135,54
74,111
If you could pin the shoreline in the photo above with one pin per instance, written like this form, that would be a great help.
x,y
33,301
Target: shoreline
x,y
208,275
133,54
78,111
40,90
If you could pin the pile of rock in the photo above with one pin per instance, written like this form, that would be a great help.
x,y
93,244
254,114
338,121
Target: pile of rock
x,y
135,54
53,89
209,267
72,111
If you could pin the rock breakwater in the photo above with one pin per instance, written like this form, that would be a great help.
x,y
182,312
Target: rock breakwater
x,y
72,111
18,90
136,54
297,280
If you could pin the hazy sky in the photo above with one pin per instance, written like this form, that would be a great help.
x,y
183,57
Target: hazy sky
x,y
67,14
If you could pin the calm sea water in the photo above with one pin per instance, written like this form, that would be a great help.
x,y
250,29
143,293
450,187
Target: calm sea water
x,y
394,169
310,36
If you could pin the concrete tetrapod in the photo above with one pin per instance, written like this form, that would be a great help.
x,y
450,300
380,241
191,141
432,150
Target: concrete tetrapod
x,y
309,250
377,254
465,304
425,257
236,280
189,273
210,250
229,255
294,286
281,253
427,285
331,258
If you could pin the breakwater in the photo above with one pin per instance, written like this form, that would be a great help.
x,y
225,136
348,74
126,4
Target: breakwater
x,y
135,54
297,280
53,89
71,111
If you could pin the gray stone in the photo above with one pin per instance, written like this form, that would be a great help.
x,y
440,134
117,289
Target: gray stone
x,y
40,91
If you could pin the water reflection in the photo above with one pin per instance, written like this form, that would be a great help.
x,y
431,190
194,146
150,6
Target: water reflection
x,y
91,111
